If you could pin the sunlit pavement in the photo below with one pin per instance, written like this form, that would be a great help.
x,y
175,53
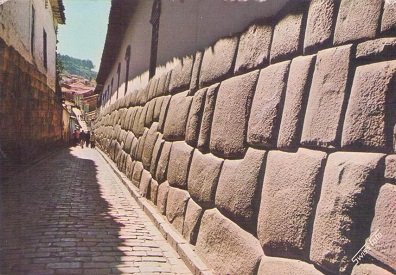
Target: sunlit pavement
x,y
70,214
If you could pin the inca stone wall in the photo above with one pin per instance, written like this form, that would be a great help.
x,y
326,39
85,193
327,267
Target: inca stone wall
x,y
30,112
273,151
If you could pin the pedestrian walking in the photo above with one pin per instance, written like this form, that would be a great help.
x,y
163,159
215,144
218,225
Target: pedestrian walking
x,y
92,140
87,139
82,138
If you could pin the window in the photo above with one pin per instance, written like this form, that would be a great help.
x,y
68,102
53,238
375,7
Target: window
x,y
32,30
127,59
45,49
118,73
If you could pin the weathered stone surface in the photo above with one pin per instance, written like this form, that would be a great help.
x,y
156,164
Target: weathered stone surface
x,y
162,165
150,113
181,75
217,62
194,84
128,142
378,49
179,163
357,19
144,187
163,113
134,146
162,197
157,108
149,144
176,121
191,221
254,48
344,211
225,247
176,206
369,269
367,123
230,117
163,84
320,25
135,128
156,155
195,117
129,167
285,267
390,167
288,200
203,178
207,118
326,98
383,230
286,39
266,112
128,117
140,146
238,190
388,17
153,190
142,119
137,173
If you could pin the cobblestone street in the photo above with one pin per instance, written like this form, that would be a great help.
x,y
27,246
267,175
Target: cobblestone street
x,y
70,214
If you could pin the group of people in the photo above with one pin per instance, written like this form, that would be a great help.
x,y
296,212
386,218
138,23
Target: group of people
x,y
81,138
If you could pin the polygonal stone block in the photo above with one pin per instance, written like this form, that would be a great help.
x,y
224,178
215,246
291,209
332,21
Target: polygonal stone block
x,y
144,187
326,98
194,84
390,167
153,191
162,197
191,221
163,113
176,206
266,111
230,117
344,211
157,108
150,113
128,142
377,50
195,117
181,75
156,154
179,163
288,199
238,190
357,19
369,269
367,123
203,177
285,267
137,173
162,165
388,17
149,144
225,247
140,146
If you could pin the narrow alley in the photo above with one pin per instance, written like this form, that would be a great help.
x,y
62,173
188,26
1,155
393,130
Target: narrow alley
x,y
70,214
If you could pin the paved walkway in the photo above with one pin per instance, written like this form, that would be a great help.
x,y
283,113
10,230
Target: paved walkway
x,y
71,215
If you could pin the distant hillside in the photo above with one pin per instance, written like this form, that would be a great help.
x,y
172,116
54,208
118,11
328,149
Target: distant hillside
x,y
75,66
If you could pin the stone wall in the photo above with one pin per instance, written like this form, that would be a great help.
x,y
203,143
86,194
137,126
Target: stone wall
x,y
272,152
30,112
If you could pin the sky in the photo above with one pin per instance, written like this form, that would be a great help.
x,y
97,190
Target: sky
x,y
84,34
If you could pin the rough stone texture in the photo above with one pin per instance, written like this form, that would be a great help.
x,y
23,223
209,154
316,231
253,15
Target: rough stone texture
x,y
203,178
151,139
191,221
357,19
163,113
266,112
194,84
153,190
163,84
128,142
225,246
156,155
390,167
326,98
140,146
195,117
344,211
176,206
130,164
238,190
369,269
230,117
297,92
383,230
378,49
135,128
144,187
179,163
157,108
286,39
142,120
162,165
207,118
137,173
320,25
217,62
388,17
150,113
175,124
368,124
285,267
181,75
289,196
162,197
254,48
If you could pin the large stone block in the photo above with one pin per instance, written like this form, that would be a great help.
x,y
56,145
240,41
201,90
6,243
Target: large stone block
x,y
377,50
388,17
286,40
128,142
140,146
390,167
195,117
149,144
203,178
163,84
326,98
320,25
344,211
368,125
157,108
137,173
156,155
176,206
154,191
230,117
144,186
382,240
176,121
179,164
162,197
225,247
238,190
162,165
266,112
181,75
207,118
288,200
357,19
218,60
150,113
297,92
191,221
194,84
163,113
254,48
285,267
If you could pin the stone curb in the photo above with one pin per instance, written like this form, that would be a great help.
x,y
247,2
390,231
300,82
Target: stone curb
x,y
179,244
